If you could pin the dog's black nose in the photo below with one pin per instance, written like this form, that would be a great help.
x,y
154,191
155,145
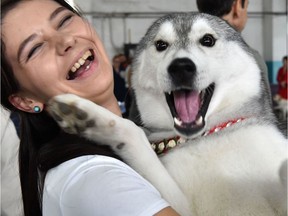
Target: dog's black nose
x,y
182,71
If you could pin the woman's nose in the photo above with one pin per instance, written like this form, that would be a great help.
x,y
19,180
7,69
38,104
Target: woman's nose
x,y
64,42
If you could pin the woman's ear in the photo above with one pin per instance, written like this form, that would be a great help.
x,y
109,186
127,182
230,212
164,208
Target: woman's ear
x,y
26,104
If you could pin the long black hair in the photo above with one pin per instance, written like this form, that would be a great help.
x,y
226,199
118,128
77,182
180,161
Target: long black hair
x,y
43,145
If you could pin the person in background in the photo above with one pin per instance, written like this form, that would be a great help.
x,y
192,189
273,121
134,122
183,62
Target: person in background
x,y
120,63
120,89
48,49
282,79
281,97
116,62
235,13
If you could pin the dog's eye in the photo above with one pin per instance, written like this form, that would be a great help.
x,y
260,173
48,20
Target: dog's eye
x,y
208,40
161,45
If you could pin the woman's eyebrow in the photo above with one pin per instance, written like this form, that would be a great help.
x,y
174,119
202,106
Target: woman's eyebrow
x,y
56,12
23,44
33,36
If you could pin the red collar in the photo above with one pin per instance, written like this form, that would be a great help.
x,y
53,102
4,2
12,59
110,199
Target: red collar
x,y
222,126
165,145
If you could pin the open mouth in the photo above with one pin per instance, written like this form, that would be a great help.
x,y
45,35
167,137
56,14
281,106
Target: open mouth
x,y
82,65
188,108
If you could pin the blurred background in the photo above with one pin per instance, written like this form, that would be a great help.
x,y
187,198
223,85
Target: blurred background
x,y
122,23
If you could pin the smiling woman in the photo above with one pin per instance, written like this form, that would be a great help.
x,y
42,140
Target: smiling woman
x,y
48,49
61,38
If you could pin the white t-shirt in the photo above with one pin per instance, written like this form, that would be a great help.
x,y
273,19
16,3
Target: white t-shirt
x,y
98,186
11,198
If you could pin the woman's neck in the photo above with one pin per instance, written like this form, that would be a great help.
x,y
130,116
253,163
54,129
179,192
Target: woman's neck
x,y
112,105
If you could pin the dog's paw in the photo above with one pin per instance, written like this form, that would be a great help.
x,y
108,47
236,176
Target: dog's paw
x,y
76,115
71,113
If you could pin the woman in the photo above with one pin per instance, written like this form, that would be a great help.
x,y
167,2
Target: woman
x,y
48,49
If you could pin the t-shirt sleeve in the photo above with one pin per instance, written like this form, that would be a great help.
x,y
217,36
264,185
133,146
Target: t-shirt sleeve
x,y
107,190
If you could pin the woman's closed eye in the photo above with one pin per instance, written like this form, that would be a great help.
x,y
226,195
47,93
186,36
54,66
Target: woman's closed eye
x,y
33,50
65,20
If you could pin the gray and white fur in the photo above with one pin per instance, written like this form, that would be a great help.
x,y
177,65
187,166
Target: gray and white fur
x,y
239,170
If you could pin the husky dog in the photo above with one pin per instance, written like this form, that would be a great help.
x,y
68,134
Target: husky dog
x,y
195,78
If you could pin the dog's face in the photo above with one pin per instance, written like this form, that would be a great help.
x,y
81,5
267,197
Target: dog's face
x,y
189,69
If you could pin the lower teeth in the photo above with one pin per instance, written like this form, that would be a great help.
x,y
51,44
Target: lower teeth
x,y
177,121
199,121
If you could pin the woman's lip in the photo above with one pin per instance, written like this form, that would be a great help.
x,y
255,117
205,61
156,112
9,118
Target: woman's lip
x,y
91,68
76,59
87,71
82,73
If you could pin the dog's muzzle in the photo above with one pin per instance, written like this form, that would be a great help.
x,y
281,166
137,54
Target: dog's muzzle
x,y
188,106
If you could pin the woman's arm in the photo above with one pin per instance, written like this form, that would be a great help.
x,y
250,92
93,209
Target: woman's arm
x,y
168,211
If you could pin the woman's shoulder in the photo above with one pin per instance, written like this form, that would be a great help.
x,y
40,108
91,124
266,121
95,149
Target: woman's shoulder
x,y
67,177
78,165
91,169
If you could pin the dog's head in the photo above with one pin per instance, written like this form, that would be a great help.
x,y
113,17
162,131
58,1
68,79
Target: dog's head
x,y
190,70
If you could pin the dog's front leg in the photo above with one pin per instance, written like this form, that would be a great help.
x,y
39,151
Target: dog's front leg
x,y
79,116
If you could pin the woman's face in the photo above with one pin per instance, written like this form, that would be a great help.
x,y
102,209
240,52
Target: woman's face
x,y
45,45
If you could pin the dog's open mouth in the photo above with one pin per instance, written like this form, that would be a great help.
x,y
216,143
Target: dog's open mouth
x,y
188,108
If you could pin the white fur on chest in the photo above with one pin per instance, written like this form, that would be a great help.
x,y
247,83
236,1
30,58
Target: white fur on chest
x,y
231,172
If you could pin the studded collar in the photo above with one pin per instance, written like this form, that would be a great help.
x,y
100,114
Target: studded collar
x,y
165,145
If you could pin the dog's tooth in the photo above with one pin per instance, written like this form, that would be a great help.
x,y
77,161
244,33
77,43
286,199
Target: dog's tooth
x,y
199,120
177,121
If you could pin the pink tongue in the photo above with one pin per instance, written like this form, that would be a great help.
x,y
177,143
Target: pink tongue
x,y
187,105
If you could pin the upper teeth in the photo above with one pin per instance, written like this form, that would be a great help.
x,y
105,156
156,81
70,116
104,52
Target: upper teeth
x,y
81,61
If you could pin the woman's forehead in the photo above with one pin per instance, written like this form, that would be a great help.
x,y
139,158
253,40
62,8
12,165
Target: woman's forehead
x,y
29,12
25,19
